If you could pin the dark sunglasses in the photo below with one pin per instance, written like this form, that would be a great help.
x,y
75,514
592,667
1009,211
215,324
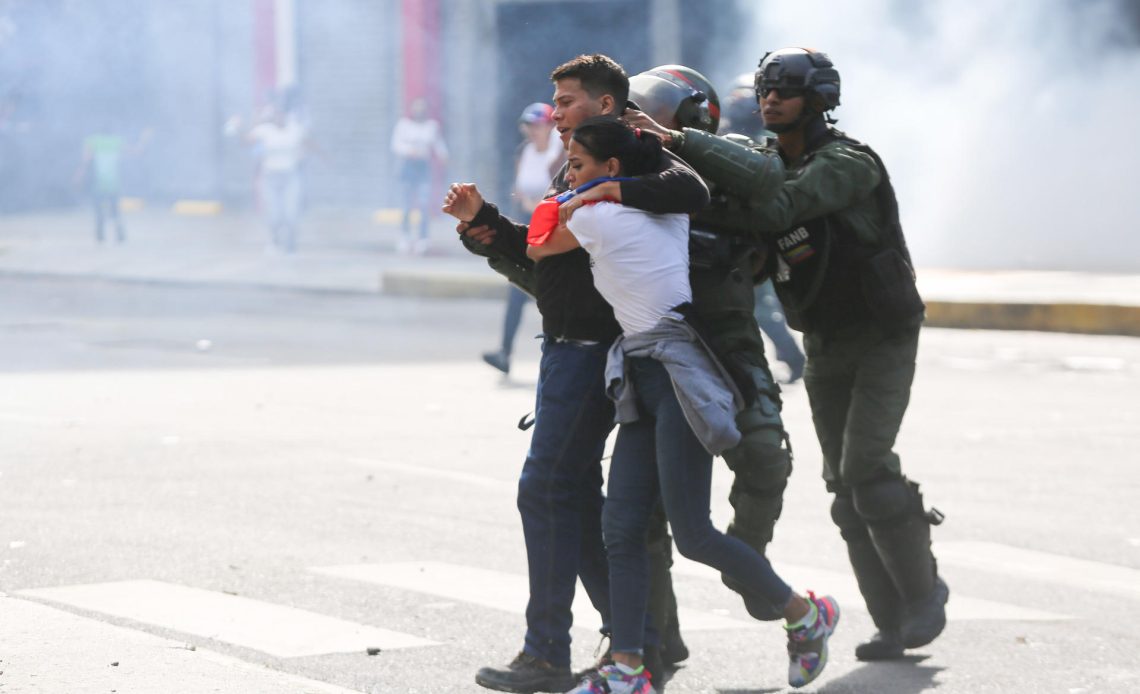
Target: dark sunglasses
x,y
782,92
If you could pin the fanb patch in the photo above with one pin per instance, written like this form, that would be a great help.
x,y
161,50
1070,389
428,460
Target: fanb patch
x,y
795,246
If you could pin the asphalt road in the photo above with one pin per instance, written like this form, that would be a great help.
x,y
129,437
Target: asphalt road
x,y
350,457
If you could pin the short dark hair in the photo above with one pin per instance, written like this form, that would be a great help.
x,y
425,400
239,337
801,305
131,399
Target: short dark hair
x,y
599,74
604,137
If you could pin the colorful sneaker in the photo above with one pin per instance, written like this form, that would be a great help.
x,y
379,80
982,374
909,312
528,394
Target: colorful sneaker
x,y
609,679
807,645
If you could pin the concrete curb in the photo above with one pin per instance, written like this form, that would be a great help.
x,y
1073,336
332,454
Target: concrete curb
x,y
1048,316
1092,319
442,284
248,285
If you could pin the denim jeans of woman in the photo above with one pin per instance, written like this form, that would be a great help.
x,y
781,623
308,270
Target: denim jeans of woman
x,y
660,452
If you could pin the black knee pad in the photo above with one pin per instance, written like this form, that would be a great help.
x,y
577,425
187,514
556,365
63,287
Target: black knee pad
x,y
887,500
843,513
762,470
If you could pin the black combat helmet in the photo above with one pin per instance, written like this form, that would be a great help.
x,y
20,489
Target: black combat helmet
x,y
676,97
800,69
738,110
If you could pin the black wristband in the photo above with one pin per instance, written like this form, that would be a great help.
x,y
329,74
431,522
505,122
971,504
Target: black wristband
x,y
486,215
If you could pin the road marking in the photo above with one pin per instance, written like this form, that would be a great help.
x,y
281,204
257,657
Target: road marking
x,y
842,586
47,649
286,632
19,418
1041,566
496,590
451,476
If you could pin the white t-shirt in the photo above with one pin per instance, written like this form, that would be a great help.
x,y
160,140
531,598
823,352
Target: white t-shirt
x,y
281,145
418,139
534,172
640,261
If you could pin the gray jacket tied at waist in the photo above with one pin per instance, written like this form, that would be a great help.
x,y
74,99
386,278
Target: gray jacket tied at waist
x,y
707,396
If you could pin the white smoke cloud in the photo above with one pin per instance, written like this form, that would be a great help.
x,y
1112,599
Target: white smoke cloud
x,y
1006,124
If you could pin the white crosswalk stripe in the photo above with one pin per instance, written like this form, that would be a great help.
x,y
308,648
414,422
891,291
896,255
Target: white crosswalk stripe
x,y
495,589
843,587
1042,566
47,649
290,632
278,630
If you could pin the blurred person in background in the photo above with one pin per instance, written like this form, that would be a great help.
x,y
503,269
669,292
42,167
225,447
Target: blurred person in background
x,y
280,142
539,157
101,172
741,116
416,140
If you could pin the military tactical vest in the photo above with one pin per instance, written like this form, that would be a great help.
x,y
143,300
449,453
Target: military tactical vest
x,y
827,279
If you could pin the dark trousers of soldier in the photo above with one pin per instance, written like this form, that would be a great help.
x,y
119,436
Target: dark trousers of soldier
x,y
858,382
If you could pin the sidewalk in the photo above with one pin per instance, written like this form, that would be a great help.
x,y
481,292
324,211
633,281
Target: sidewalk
x,y
347,251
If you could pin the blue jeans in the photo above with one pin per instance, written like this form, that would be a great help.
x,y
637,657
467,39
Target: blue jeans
x,y
560,495
661,449
516,300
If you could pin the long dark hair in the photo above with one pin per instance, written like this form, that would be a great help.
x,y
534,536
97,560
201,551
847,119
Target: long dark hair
x,y
604,137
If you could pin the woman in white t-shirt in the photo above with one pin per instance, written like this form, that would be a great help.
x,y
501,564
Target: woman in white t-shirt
x,y
281,143
675,405
416,140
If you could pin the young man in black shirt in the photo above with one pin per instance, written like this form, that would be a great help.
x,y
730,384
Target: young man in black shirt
x,y
560,488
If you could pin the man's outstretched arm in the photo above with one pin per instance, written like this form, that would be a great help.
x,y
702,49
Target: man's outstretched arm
x,y
486,232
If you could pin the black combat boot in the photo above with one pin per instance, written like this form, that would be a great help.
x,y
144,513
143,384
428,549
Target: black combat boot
x,y
878,589
882,598
924,619
882,646
903,543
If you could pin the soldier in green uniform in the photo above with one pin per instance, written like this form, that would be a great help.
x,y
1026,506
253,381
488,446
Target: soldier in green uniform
x,y
844,270
844,275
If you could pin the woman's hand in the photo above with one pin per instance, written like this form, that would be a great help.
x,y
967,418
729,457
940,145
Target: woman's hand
x,y
463,201
638,119
610,190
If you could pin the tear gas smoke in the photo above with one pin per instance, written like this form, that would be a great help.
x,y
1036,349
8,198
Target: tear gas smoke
x,y
1005,124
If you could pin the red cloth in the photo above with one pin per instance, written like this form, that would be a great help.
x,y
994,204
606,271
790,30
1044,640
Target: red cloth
x,y
543,221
